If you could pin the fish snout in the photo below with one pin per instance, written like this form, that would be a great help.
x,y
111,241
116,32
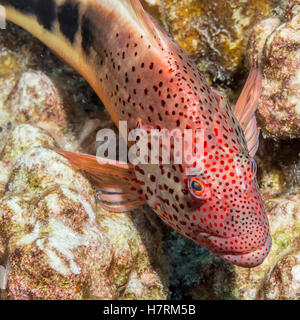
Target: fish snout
x,y
253,224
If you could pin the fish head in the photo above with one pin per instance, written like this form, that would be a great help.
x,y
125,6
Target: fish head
x,y
219,206
233,223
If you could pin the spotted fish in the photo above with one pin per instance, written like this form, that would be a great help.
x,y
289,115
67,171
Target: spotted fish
x,y
143,77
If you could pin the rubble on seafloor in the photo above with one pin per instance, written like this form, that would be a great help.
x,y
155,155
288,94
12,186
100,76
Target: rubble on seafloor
x,y
54,239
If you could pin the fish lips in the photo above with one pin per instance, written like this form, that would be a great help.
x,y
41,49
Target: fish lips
x,y
249,259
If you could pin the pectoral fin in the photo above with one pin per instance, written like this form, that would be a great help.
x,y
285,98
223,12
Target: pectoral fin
x,y
245,110
115,182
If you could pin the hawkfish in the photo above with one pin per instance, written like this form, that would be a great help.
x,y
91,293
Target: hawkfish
x,y
145,78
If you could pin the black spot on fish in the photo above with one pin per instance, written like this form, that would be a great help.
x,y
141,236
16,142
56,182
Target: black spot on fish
x,y
68,18
87,34
45,11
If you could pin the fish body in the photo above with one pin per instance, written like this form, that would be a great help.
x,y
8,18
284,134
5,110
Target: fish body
x,y
144,78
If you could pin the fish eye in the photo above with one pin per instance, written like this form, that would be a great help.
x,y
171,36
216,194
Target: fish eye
x,y
253,168
196,187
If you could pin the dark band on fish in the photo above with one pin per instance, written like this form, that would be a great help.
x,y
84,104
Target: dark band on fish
x,y
68,18
87,34
45,11
26,7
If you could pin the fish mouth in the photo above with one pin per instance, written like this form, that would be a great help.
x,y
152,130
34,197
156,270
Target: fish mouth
x,y
249,259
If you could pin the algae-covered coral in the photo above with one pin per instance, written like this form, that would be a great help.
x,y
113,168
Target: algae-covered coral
x,y
215,33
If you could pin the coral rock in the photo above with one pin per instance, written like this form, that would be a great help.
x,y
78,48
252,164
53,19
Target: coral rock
x,y
284,280
277,49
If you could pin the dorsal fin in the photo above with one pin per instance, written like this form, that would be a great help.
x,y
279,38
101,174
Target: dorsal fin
x,y
245,110
144,18
151,25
